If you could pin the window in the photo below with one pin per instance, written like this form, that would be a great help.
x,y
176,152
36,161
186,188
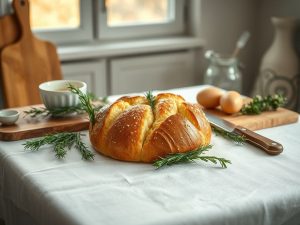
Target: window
x,y
60,21
140,18
54,14
135,12
78,21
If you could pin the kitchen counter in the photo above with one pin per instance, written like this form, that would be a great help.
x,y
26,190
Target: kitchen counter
x,y
37,188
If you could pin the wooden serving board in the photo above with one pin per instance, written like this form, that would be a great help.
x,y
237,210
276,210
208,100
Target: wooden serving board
x,y
27,63
264,120
27,127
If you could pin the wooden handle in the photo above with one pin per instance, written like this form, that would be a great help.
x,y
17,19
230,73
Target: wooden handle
x,y
269,146
21,8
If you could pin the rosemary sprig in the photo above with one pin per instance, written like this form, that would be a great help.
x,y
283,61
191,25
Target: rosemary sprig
x,y
190,157
85,102
62,142
236,138
97,104
83,149
151,99
260,104
44,112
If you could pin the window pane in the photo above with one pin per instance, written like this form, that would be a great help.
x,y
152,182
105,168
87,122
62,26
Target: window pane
x,y
134,12
54,14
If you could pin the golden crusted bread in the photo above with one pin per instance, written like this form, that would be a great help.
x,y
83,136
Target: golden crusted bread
x,y
130,130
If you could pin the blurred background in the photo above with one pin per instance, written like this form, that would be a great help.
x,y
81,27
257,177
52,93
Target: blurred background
x,y
126,46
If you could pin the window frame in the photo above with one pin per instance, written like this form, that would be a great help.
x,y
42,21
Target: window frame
x,y
173,27
81,34
91,26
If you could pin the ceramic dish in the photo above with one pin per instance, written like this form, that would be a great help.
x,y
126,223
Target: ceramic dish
x,y
8,116
55,94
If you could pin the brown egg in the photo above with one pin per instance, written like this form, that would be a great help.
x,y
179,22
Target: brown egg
x,y
231,102
209,97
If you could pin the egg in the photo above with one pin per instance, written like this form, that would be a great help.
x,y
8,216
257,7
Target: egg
x,y
231,102
209,97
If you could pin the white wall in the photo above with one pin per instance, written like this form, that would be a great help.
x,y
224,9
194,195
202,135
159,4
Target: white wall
x,y
223,21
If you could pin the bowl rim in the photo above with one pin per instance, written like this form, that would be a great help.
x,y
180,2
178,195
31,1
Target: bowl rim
x,y
42,86
15,113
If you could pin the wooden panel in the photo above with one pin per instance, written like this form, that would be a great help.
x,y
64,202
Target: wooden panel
x,y
27,127
27,63
92,73
155,72
264,120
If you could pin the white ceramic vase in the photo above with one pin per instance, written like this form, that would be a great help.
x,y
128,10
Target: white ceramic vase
x,y
279,69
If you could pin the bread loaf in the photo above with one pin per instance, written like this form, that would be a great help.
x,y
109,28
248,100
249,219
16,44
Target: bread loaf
x,y
130,130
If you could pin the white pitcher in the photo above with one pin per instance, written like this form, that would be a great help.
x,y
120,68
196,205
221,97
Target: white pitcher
x,y
279,69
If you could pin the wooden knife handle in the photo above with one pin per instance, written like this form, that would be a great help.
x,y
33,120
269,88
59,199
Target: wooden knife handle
x,y
269,146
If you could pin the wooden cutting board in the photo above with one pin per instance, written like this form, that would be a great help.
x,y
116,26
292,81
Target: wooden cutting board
x,y
9,30
257,122
27,127
9,34
27,63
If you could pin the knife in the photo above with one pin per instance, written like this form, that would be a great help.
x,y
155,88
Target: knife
x,y
269,146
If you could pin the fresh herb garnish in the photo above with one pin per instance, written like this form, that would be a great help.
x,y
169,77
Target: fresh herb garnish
x,y
261,104
62,142
85,102
97,104
236,138
42,111
151,99
190,157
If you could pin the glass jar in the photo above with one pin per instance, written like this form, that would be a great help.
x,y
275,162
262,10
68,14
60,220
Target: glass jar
x,y
223,72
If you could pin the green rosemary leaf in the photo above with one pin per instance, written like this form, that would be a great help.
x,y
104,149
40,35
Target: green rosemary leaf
x,y
190,157
60,151
35,112
44,112
236,138
83,149
151,99
97,104
85,102
37,143
261,104
61,142
66,110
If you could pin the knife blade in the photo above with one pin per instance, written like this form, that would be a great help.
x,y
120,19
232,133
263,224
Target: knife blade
x,y
269,146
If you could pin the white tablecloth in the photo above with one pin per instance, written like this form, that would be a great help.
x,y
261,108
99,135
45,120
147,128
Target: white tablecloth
x,y
37,188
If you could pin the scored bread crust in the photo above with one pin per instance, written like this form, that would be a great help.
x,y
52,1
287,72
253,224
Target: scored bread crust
x,y
129,130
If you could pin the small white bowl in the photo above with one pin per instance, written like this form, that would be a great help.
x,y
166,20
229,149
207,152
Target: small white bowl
x,y
55,94
9,116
